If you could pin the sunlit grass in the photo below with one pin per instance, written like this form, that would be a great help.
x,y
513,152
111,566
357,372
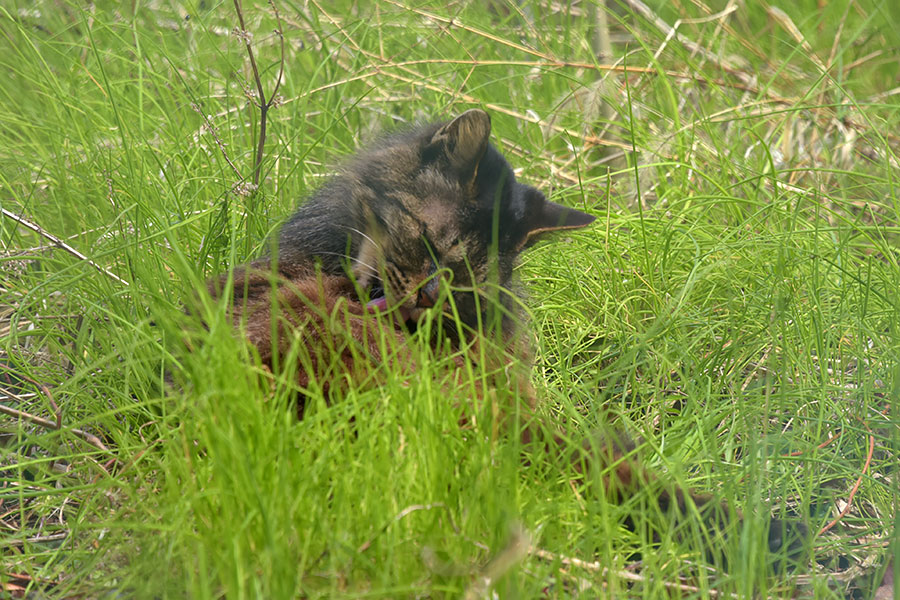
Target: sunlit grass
x,y
734,307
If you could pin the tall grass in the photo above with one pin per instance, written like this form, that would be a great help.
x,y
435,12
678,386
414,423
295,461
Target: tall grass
x,y
735,306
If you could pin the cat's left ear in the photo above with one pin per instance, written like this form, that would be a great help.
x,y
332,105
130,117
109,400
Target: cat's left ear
x,y
463,142
544,216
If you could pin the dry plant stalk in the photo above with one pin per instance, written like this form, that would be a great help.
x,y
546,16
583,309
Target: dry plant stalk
x,y
262,102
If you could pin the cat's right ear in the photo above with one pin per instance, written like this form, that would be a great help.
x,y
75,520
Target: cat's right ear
x,y
543,216
462,142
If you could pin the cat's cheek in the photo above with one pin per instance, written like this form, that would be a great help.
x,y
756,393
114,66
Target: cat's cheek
x,y
412,314
416,314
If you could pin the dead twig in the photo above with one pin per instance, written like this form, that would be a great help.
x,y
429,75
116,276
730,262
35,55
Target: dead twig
x,y
551,63
788,25
44,390
16,584
53,537
90,438
261,102
869,454
695,48
515,549
599,568
61,244
855,488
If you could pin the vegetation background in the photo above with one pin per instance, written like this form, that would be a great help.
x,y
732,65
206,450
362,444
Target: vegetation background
x,y
736,305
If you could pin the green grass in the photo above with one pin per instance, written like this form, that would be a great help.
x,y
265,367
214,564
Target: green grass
x,y
735,306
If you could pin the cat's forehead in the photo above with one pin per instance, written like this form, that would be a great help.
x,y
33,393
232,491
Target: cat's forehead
x,y
442,222
434,182
422,214
415,195
432,201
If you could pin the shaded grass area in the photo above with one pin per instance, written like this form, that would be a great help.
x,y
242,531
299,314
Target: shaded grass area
x,y
735,307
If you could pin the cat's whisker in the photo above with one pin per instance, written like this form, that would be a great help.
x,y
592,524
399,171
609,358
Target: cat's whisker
x,y
355,230
371,270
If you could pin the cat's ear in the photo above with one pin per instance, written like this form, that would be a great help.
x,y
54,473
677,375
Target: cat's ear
x,y
544,216
463,142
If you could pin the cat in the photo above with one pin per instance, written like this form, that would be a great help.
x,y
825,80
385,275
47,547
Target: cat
x,y
428,212
428,220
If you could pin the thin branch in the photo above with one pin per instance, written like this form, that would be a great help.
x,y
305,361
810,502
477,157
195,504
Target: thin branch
x,y
280,32
57,424
44,390
695,48
90,438
627,575
36,540
855,488
788,25
868,463
246,38
262,103
61,244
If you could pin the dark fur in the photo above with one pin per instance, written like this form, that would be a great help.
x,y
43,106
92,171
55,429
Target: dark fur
x,y
427,219
420,208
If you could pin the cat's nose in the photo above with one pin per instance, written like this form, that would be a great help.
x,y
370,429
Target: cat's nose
x,y
428,293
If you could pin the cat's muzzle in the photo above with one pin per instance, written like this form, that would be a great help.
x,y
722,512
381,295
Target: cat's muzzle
x,y
426,297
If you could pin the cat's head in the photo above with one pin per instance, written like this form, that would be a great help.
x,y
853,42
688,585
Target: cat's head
x,y
448,213
432,210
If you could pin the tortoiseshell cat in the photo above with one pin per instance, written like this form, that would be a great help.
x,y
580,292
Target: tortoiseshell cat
x,y
430,219
430,213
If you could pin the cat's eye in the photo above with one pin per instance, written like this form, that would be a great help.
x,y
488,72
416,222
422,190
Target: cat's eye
x,y
451,250
430,247
427,240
